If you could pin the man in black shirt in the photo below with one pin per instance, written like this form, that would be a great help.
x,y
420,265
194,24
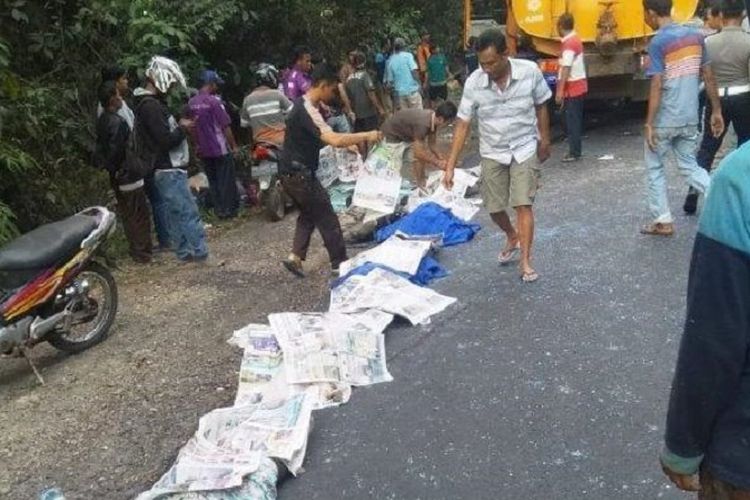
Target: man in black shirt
x,y
306,134
112,133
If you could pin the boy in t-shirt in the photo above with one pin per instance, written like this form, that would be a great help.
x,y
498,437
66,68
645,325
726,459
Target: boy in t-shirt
x,y
677,62
437,75
572,85
365,103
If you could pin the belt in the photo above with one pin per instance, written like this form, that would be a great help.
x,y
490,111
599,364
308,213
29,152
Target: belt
x,y
736,90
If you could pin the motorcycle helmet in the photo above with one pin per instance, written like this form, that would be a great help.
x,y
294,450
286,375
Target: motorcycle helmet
x,y
164,73
267,75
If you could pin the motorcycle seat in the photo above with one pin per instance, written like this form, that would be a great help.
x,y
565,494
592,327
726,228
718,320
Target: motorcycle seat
x,y
46,245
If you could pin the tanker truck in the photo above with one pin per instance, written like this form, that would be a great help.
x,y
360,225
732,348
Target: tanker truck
x,y
614,33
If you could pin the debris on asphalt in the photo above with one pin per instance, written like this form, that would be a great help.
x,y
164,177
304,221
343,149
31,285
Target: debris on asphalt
x,y
606,157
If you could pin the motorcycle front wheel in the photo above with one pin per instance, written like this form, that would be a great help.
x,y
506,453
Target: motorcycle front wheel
x,y
94,308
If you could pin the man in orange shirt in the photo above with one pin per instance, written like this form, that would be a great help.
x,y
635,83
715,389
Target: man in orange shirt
x,y
572,85
423,54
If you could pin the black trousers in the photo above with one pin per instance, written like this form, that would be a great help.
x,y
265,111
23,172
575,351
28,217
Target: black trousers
x,y
133,209
736,111
315,211
222,184
573,109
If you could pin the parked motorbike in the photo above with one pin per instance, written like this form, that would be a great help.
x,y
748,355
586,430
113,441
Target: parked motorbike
x,y
265,171
54,288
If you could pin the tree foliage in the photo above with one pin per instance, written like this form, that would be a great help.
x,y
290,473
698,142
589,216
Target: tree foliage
x,y
51,53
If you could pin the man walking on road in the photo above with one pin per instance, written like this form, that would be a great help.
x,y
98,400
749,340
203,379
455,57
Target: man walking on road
x,y
401,73
708,423
216,144
729,53
306,134
509,98
677,62
572,85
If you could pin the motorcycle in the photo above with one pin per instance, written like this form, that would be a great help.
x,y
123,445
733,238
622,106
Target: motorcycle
x,y
54,288
264,171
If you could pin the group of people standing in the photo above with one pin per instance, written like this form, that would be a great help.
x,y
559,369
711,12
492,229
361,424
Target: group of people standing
x,y
146,153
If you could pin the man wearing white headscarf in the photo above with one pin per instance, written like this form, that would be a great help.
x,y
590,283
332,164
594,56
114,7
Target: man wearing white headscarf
x,y
164,146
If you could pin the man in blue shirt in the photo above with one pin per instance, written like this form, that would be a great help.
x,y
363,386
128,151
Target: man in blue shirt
x,y
402,74
677,62
707,440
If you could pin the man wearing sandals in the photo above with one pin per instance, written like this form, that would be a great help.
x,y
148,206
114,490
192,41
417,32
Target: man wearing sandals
x,y
678,60
509,98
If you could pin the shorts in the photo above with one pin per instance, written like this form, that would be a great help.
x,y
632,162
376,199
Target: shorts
x,y
411,101
439,92
509,186
366,124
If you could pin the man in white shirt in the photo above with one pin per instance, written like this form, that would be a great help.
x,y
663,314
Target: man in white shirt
x,y
509,99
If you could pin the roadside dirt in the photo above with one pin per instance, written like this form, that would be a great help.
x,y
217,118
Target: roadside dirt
x,y
110,421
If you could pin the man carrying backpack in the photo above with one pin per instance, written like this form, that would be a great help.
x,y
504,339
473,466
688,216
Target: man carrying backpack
x,y
112,134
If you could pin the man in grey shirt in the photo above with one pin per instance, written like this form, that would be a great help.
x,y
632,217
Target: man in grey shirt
x,y
729,54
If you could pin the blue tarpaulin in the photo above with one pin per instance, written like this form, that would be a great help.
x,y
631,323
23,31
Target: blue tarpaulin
x,y
428,219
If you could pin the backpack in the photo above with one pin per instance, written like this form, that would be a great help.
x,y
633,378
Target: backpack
x,y
138,164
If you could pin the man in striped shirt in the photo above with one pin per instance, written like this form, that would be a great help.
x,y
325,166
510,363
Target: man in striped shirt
x,y
264,110
677,61
572,85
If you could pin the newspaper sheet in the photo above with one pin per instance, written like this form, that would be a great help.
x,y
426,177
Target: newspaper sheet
x,y
231,442
455,199
378,187
338,164
399,252
260,485
385,291
332,347
263,375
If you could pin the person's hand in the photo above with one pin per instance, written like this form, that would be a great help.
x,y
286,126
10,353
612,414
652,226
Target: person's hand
x,y
448,176
682,481
559,99
717,123
543,151
442,164
375,136
650,136
352,116
186,123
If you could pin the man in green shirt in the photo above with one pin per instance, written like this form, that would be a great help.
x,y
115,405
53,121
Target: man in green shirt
x,y
437,75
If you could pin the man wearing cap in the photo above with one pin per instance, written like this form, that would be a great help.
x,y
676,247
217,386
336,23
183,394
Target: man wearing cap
x,y
402,75
216,143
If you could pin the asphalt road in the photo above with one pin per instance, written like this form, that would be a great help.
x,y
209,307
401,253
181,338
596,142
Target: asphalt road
x,y
555,390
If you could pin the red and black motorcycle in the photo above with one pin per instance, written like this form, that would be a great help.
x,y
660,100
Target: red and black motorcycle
x,y
54,287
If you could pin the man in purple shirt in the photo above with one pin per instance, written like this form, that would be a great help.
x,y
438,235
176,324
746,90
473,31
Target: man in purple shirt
x,y
216,143
298,79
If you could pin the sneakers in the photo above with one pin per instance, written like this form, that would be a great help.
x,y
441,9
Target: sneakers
x,y
691,202
293,264
569,158
658,229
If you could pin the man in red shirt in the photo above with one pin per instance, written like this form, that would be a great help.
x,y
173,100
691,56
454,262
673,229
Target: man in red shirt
x,y
571,85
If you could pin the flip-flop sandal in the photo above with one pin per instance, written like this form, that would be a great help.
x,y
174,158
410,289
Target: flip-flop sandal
x,y
529,277
507,256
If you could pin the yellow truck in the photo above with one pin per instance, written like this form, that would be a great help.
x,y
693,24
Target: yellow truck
x,y
614,33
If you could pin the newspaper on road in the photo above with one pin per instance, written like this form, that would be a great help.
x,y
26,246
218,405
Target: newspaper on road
x,y
385,291
378,187
263,373
231,442
399,252
454,199
332,347
260,485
